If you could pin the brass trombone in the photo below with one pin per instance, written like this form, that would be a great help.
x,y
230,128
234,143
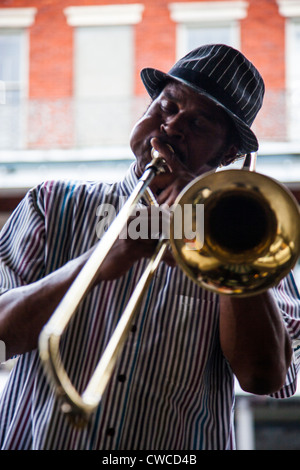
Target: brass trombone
x,y
256,247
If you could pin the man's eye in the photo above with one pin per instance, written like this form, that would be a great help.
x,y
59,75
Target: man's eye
x,y
201,123
168,106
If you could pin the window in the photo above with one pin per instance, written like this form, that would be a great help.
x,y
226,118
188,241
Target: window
x,y
291,10
13,80
293,79
103,84
13,74
207,22
103,72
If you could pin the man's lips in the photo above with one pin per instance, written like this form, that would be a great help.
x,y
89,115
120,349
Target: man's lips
x,y
163,167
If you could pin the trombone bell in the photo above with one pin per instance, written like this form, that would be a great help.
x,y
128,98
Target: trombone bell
x,y
251,233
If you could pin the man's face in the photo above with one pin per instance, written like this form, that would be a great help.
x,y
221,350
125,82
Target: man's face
x,y
191,124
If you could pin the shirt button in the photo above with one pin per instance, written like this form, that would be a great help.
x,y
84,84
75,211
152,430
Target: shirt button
x,y
110,431
121,377
133,329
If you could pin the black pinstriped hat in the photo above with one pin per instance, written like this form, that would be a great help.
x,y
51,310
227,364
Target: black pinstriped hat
x,y
225,76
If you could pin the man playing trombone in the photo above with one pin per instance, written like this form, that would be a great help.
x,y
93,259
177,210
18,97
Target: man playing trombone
x,y
173,383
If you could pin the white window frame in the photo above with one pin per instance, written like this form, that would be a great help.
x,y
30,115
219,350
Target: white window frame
x,y
289,9
204,14
19,20
104,16
17,17
101,15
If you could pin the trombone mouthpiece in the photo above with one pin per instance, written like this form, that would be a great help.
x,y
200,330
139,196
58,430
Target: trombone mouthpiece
x,y
157,159
155,153
158,162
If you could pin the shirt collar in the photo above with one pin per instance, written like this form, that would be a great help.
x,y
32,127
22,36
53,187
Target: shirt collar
x,y
129,183
130,180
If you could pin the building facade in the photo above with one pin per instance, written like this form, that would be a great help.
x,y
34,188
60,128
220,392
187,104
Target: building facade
x,y
69,69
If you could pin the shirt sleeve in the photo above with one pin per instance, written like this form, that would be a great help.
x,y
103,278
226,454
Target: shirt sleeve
x,y
22,250
288,300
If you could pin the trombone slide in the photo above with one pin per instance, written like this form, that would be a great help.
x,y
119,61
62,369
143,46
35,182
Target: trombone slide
x,y
77,406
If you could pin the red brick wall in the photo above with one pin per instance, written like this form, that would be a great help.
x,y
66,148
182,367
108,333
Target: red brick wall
x,y
51,54
155,40
263,42
50,122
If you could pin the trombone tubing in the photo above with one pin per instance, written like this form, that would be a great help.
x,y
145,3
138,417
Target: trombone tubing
x,y
51,333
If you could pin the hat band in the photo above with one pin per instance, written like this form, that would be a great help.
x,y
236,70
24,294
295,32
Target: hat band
x,y
209,86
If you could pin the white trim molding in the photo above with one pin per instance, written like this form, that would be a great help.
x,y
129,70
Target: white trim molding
x,y
289,8
17,17
193,12
103,15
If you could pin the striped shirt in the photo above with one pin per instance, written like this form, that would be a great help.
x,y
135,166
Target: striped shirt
x,y
171,389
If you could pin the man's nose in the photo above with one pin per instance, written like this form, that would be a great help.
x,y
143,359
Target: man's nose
x,y
174,127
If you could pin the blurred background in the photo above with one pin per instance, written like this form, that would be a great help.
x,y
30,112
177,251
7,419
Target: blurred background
x,y
70,92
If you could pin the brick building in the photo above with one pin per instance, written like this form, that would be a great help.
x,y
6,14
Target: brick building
x,y
70,68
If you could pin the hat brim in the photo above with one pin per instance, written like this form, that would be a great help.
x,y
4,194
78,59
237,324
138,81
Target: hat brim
x,y
153,81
